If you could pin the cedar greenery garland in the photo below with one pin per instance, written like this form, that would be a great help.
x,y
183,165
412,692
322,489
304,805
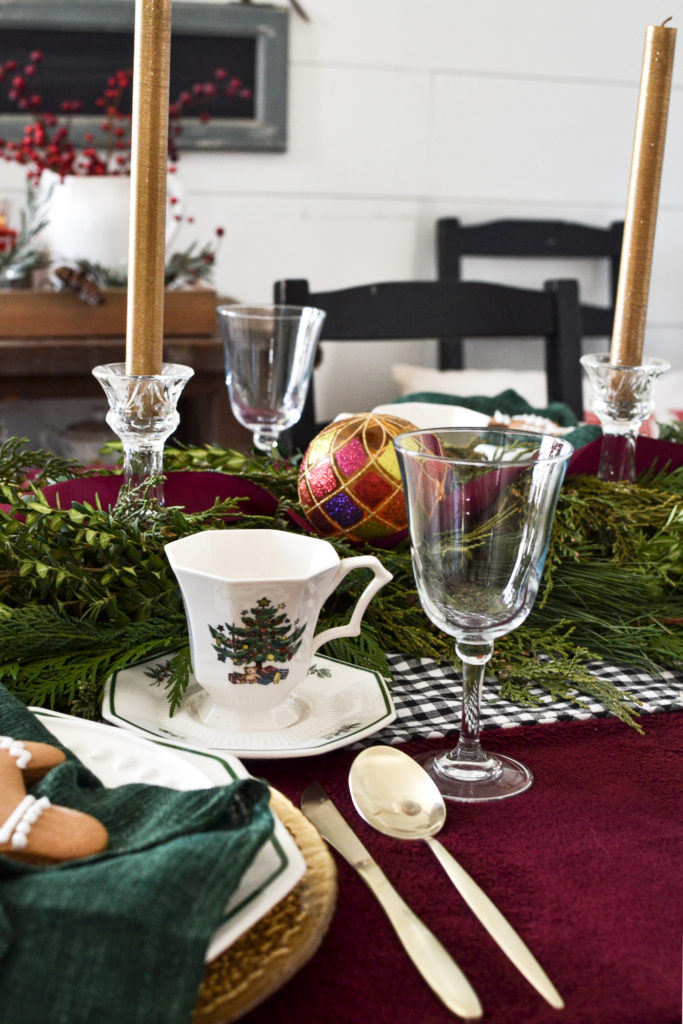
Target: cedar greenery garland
x,y
84,591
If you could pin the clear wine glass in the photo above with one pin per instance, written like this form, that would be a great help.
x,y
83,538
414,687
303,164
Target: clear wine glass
x,y
480,508
269,353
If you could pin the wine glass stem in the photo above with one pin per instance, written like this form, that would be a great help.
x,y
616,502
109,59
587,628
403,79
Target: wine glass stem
x,y
474,658
266,440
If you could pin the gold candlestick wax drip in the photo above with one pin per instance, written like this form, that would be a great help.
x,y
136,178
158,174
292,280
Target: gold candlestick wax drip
x,y
643,197
149,152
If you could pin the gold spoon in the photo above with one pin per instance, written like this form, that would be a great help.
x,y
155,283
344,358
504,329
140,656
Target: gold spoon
x,y
394,794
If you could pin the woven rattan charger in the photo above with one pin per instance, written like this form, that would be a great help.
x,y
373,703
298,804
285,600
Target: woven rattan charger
x,y
276,947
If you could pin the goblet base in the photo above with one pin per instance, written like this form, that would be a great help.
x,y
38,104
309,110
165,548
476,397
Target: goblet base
x,y
494,778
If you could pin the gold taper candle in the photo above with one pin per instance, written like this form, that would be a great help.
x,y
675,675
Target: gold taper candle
x,y
149,152
643,197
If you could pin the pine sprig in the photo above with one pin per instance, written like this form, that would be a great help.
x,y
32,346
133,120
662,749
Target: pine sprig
x,y
17,462
279,476
551,659
94,564
50,660
85,590
671,431
26,255
174,676
366,651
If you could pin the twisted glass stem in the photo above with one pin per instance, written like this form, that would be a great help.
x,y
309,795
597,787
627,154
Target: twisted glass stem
x,y
467,761
474,658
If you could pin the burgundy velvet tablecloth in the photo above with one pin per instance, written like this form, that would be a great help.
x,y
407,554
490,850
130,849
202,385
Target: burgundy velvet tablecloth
x,y
587,865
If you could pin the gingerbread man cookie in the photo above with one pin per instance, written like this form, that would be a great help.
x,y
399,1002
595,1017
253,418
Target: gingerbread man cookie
x,y
33,829
34,759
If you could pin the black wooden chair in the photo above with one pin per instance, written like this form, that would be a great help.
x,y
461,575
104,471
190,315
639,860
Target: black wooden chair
x,y
432,309
528,238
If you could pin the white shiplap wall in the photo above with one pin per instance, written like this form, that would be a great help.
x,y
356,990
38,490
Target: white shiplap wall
x,y
401,112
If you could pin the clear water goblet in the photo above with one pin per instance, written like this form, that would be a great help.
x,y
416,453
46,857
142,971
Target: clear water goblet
x,y
269,353
480,507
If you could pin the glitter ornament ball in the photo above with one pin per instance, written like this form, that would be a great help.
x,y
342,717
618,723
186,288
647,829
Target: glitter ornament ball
x,y
350,482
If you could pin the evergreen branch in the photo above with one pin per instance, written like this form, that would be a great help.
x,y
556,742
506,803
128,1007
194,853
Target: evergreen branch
x,y
552,660
366,650
26,255
85,591
279,475
174,676
671,431
50,660
16,463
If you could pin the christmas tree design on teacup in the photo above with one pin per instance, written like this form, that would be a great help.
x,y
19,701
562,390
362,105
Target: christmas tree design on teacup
x,y
266,636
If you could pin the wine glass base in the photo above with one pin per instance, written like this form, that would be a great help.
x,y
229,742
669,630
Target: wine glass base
x,y
496,778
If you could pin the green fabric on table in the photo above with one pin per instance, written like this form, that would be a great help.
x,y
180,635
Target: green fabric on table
x,y
510,403
120,938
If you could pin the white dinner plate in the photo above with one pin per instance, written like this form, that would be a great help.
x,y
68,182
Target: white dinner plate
x,y
337,704
117,757
434,415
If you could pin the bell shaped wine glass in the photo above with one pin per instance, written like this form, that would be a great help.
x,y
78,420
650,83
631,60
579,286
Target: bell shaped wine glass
x,y
480,508
269,353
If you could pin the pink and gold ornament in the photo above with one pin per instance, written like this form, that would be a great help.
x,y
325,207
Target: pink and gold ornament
x,y
350,482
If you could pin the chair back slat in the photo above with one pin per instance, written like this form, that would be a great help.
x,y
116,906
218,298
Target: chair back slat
x,y
527,238
397,310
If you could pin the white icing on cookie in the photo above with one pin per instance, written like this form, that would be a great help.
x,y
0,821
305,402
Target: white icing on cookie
x,y
18,826
17,749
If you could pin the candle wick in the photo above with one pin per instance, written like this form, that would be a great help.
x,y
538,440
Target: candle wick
x,y
665,21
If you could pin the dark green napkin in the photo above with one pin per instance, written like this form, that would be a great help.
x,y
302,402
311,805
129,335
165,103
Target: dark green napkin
x,y
120,938
510,403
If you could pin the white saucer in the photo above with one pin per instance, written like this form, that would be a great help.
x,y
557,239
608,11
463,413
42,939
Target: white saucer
x,y
117,758
337,705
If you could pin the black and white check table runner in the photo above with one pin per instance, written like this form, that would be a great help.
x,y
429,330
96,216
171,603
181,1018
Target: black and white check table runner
x,y
427,699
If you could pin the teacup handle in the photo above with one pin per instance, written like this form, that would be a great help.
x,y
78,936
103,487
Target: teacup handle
x,y
352,627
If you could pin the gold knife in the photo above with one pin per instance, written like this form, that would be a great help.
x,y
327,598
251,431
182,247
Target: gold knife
x,y
434,963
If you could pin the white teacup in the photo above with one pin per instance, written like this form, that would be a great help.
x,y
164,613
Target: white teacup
x,y
252,599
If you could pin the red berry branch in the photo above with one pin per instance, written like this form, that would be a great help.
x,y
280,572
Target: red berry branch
x,y
46,142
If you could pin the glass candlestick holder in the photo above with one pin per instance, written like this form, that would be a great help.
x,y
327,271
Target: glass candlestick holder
x,y
623,398
143,414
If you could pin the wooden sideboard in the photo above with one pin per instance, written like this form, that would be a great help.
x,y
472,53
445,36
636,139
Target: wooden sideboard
x,y
62,368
